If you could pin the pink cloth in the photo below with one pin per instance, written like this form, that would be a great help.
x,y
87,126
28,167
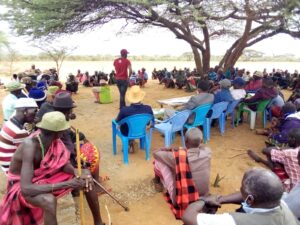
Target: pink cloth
x,y
167,178
288,157
14,209
254,85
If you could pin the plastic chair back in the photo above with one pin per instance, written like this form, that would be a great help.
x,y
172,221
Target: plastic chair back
x,y
231,106
200,114
218,109
179,119
262,105
136,124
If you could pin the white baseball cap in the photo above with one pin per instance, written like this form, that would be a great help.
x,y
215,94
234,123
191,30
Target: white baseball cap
x,y
25,103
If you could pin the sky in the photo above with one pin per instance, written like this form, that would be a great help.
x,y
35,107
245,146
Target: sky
x,y
153,41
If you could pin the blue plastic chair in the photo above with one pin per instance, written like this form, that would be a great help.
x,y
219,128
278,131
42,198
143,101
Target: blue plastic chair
x,y
137,125
218,112
231,110
172,125
200,118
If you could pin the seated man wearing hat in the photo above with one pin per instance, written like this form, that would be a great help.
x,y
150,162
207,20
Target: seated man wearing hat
x,y
135,97
63,103
8,104
47,105
13,133
38,95
255,82
224,95
40,174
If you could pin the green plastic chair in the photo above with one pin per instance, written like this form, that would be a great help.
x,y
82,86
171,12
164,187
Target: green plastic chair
x,y
261,107
105,95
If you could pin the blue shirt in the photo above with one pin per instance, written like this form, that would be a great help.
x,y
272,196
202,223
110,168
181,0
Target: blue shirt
x,y
8,106
223,95
131,110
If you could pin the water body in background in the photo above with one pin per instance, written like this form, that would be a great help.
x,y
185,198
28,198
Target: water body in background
x,y
107,66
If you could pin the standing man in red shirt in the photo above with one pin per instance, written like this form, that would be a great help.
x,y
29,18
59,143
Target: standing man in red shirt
x,y
122,66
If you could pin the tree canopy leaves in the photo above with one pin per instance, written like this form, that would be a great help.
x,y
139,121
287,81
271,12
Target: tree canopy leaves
x,y
195,21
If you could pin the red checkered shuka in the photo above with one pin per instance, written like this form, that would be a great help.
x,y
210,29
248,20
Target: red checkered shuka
x,y
186,191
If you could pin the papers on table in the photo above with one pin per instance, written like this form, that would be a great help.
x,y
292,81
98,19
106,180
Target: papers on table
x,y
175,101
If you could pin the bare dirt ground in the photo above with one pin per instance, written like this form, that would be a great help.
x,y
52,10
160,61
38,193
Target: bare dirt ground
x,y
132,183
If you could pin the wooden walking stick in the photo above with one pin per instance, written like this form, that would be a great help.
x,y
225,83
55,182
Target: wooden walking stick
x,y
110,195
81,206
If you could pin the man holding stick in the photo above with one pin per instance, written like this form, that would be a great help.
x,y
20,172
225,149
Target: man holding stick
x,y
42,173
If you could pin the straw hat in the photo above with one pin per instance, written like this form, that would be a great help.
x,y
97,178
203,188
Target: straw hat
x,y
14,86
25,103
54,121
135,94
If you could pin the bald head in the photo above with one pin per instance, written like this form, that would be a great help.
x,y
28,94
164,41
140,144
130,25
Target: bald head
x,y
193,138
264,186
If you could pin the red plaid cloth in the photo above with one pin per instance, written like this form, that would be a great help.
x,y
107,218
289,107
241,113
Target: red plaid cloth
x,y
288,157
186,191
14,209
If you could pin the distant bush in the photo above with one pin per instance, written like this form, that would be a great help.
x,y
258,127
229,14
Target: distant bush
x,y
184,57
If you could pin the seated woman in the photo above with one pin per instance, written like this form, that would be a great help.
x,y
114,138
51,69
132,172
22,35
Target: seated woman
x,y
102,94
72,84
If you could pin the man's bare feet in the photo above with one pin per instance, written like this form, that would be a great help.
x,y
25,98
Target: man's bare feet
x,y
261,131
157,185
254,156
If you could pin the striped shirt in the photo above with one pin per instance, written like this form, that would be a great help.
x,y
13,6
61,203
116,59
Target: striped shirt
x,y
11,136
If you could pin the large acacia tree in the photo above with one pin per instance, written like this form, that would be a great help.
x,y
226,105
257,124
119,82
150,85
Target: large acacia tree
x,y
195,21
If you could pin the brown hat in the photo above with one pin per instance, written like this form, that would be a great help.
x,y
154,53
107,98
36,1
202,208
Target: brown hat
x,y
63,100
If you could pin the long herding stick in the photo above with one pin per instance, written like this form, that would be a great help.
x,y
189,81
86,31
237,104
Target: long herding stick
x,y
82,215
110,195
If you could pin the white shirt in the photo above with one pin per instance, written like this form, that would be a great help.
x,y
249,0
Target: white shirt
x,y
217,219
8,105
225,218
237,94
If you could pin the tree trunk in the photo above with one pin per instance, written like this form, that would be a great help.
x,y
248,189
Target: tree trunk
x,y
236,50
57,67
206,62
197,59
206,51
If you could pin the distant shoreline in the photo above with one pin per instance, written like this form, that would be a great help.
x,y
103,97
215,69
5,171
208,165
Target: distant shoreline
x,y
107,66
